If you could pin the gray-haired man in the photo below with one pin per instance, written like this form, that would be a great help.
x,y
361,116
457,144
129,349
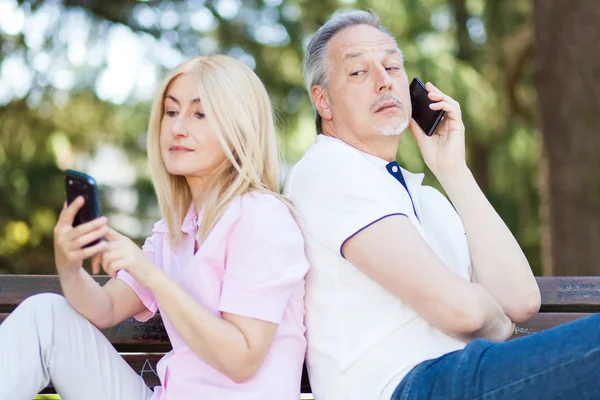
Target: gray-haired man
x,y
407,297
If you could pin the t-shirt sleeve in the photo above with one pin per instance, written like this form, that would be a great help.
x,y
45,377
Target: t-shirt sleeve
x,y
145,295
266,260
339,193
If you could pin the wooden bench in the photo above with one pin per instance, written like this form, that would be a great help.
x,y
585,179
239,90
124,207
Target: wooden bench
x,y
564,299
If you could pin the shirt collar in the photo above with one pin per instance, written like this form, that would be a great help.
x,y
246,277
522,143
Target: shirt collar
x,y
412,180
190,221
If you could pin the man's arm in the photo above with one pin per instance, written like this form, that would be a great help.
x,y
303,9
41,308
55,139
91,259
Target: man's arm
x,y
394,254
497,260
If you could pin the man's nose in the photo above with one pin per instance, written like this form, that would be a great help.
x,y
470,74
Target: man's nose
x,y
383,80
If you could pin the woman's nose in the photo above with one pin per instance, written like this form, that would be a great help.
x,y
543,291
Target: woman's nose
x,y
179,127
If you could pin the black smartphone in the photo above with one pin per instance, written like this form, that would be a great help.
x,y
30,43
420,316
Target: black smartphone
x,y
80,184
427,118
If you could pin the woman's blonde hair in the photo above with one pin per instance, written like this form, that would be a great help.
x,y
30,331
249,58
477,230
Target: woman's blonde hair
x,y
239,111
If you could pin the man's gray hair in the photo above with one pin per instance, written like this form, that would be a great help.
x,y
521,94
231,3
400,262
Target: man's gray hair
x,y
315,64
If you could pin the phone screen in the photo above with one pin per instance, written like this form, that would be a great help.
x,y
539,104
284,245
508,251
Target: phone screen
x,y
427,118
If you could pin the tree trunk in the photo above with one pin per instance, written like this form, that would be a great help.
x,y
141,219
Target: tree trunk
x,y
567,79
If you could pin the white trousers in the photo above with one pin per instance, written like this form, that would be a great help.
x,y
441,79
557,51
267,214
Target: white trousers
x,y
45,340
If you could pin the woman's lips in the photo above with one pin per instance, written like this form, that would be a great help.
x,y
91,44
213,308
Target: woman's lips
x,y
179,149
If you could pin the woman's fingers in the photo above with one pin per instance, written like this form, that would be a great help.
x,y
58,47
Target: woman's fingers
x,y
83,240
89,226
68,213
88,252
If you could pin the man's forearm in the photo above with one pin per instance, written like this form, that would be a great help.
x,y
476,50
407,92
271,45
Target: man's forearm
x,y
499,263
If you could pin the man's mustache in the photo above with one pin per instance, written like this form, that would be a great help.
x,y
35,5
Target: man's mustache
x,y
384,98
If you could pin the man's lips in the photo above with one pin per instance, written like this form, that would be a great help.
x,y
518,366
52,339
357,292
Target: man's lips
x,y
388,105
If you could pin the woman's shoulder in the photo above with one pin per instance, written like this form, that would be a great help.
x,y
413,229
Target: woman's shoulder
x,y
257,202
258,207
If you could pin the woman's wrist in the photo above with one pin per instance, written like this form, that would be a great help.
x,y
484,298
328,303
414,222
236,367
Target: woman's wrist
x,y
156,277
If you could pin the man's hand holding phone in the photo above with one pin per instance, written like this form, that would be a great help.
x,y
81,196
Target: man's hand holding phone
x,y
70,242
444,150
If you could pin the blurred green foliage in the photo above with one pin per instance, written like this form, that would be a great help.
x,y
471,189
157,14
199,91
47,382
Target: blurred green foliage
x,y
478,51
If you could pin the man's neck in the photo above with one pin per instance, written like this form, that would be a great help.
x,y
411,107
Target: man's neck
x,y
384,147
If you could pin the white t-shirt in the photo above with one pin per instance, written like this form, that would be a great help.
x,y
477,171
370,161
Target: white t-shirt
x,y
362,340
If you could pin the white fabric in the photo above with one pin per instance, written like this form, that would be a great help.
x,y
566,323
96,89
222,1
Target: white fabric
x,y
362,340
46,339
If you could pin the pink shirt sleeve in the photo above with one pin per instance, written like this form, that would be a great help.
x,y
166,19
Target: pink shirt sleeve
x,y
266,260
145,295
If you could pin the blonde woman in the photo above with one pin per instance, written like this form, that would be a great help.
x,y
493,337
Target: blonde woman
x,y
225,266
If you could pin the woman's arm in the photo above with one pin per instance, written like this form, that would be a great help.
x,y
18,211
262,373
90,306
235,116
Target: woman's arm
x,y
102,306
233,344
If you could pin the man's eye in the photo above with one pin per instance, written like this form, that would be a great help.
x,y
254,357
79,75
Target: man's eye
x,y
393,68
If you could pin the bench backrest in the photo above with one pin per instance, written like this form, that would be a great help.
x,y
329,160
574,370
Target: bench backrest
x,y
564,299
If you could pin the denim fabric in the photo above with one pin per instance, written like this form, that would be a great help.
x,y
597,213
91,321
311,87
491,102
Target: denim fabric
x,y
559,363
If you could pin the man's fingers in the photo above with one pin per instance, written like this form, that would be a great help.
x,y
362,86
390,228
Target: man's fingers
x,y
452,110
437,95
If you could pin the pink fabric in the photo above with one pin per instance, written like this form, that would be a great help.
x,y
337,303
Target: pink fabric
x,y
252,264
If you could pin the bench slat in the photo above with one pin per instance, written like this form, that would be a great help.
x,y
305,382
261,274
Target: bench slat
x,y
570,294
543,321
566,294
16,288
133,336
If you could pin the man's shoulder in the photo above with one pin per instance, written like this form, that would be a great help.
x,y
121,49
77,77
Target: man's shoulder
x,y
330,153
326,161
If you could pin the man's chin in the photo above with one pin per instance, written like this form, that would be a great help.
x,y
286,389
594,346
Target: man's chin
x,y
394,129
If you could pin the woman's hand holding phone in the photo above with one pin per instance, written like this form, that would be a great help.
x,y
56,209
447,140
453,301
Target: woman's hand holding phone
x,y
444,151
121,253
69,241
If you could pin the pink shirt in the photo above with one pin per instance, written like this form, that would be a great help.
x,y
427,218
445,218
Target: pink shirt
x,y
252,264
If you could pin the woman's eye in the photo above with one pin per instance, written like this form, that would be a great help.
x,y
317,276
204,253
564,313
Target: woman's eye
x,y
357,73
170,113
199,115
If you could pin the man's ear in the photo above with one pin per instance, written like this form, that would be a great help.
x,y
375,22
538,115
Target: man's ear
x,y
321,101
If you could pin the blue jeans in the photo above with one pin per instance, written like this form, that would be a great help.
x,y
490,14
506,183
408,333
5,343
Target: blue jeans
x,y
559,363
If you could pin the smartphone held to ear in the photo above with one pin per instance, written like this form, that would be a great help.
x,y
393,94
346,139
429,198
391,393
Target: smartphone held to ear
x,y
427,118
80,184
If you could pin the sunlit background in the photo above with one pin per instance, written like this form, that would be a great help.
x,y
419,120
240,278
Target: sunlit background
x,y
76,80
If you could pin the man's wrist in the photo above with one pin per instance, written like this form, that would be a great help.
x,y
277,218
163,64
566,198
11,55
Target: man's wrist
x,y
455,179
